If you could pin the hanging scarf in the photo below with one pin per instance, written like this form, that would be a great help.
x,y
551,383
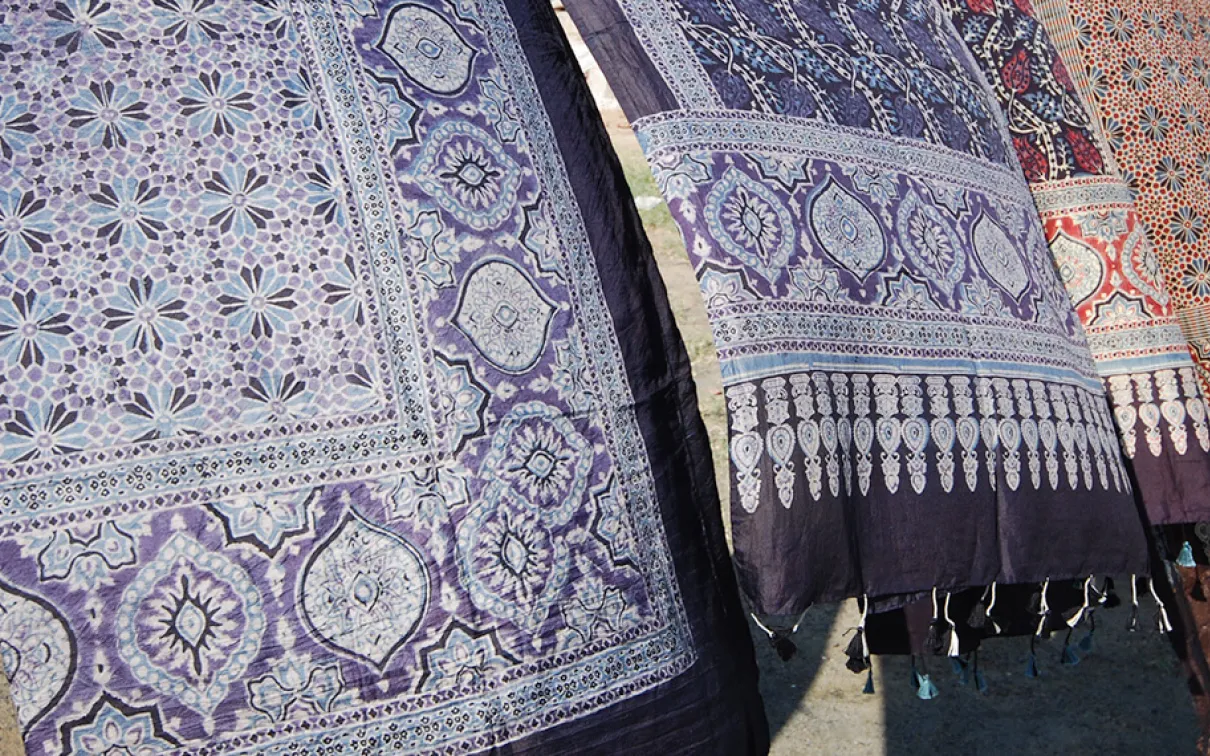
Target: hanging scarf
x,y
911,399
1104,256
336,413
1142,71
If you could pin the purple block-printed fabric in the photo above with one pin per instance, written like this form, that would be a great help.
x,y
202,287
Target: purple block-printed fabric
x,y
316,431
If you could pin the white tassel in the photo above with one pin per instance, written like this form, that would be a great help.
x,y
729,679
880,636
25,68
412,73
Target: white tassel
x,y
798,623
954,646
1079,616
991,604
761,625
1043,609
1165,625
865,611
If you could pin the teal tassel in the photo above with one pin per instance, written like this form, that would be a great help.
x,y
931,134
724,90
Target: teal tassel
x,y
869,683
1070,657
1031,668
1185,558
926,691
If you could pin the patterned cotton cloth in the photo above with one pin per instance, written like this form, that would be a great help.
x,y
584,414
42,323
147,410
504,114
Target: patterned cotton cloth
x,y
1144,71
317,430
1104,256
912,401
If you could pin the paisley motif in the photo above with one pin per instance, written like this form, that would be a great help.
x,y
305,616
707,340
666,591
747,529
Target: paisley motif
x,y
1079,266
846,229
364,590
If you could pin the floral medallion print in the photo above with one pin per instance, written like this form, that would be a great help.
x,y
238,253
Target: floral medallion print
x,y
1100,244
286,285
751,224
509,560
469,173
190,624
1145,86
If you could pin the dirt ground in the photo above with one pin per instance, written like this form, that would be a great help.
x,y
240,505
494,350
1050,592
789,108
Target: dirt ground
x,y
1127,697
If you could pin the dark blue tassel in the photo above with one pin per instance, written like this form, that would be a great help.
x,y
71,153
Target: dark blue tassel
x,y
926,691
1031,668
980,682
915,676
1086,642
869,683
1185,558
959,665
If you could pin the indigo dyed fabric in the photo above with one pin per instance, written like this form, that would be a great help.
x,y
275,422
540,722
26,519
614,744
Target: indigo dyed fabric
x,y
1104,256
336,414
912,400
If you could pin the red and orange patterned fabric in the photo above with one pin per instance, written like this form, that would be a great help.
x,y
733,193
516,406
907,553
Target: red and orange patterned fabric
x,y
1103,253
1143,72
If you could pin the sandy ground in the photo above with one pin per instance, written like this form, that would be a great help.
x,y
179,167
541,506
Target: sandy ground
x,y
1127,697
10,734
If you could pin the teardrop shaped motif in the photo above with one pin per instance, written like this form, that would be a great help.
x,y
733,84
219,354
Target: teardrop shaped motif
x,y
364,590
1079,266
38,653
846,229
427,48
1000,257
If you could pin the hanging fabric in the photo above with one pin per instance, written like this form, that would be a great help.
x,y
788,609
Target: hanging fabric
x,y
341,408
1142,71
912,403
1104,256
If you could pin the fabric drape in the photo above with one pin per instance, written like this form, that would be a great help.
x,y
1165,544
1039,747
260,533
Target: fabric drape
x,y
341,407
1105,257
912,403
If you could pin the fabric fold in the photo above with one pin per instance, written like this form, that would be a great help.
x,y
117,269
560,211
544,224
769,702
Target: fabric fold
x,y
912,403
341,406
